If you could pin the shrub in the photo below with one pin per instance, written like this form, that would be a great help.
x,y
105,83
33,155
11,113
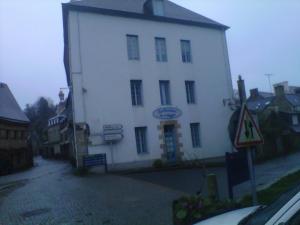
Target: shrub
x,y
158,163
192,209
83,171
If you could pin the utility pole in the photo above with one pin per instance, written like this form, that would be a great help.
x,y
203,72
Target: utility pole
x,y
269,75
243,99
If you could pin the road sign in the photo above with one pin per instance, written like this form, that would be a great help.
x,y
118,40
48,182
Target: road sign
x,y
248,133
113,137
112,132
108,132
113,127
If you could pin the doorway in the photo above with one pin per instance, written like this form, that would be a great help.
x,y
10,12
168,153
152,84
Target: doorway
x,y
170,141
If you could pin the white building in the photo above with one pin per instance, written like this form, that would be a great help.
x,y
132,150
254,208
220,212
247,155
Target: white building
x,y
159,70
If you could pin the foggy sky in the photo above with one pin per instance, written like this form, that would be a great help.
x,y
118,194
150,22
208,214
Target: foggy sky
x,y
264,38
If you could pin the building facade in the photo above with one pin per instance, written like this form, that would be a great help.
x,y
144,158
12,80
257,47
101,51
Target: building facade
x,y
15,154
58,132
152,68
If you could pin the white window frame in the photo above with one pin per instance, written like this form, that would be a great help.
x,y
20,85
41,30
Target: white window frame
x,y
190,92
158,7
295,119
196,137
133,49
141,140
136,89
165,92
161,49
186,51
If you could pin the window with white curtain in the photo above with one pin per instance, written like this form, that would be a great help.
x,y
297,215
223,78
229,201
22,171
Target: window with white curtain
x,y
133,47
161,50
165,97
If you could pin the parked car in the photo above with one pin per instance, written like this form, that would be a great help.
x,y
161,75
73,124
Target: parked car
x,y
284,211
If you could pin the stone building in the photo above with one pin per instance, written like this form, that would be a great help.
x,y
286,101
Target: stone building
x,y
15,153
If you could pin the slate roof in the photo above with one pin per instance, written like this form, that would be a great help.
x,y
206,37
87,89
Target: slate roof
x,y
172,10
9,108
260,104
266,94
293,99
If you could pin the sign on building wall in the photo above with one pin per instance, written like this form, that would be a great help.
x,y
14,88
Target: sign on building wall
x,y
113,132
167,113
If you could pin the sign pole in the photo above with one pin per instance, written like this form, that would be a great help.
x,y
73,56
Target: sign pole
x,y
112,154
252,176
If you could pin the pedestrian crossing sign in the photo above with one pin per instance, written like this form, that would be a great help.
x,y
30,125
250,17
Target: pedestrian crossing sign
x,y
248,133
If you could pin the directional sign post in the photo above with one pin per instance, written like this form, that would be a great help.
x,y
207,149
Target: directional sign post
x,y
111,134
248,135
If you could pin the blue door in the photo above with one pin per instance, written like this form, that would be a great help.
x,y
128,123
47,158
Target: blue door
x,y
170,142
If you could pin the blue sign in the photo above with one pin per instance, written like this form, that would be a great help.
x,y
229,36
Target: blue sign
x,y
94,160
167,113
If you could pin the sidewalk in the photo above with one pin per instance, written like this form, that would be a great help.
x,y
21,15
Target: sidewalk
x,y
190,181
270,172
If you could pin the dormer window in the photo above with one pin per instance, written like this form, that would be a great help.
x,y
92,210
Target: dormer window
x,y
155,7
158,7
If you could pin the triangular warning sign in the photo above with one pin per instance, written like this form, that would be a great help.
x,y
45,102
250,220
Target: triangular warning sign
x,y
248,133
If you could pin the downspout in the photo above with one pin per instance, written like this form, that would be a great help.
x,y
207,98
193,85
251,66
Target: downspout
x,y
67,54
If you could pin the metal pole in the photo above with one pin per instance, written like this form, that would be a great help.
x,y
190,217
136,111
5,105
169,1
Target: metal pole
x,y
112,154
252,176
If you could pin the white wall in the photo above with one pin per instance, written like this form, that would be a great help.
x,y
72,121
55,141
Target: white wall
x,y
99,64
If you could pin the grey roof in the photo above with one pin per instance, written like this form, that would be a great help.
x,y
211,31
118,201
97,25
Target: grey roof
x,y
266,94
9,108
294,99
172,10
260,104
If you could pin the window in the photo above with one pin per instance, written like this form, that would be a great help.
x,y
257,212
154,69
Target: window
x,y
3,134
133,47
186,51
136,92
158,7
141,139
190,92
161,50
195,132
18,135
295,120
12,134
165,97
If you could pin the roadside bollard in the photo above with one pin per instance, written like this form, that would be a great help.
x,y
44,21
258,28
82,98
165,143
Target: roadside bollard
x,y
212,187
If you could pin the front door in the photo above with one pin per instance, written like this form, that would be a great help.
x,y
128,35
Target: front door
x,y
170,142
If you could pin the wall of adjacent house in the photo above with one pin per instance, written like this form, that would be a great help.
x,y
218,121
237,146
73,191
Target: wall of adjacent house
x,y
13,137
101,74
54,134
14,151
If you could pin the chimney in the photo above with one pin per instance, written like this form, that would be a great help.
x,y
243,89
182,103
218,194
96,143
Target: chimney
x,y
279,91
154,7
254,94
242,89
61,96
